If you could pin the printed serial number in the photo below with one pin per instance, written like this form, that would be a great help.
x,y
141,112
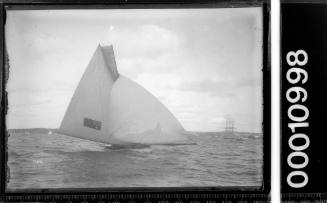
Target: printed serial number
x,y
298,114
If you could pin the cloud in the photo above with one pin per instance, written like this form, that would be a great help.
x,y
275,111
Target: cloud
x,y
150,40
223,87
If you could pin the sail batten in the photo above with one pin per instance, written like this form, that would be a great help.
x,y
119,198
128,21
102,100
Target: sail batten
x,y
110,108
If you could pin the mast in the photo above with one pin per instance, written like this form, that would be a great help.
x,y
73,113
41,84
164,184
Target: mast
x,y
230,127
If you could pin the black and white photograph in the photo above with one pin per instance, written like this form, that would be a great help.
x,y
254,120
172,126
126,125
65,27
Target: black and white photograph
x,y
134,98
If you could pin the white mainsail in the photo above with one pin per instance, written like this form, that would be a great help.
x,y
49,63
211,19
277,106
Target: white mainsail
x,y
110,108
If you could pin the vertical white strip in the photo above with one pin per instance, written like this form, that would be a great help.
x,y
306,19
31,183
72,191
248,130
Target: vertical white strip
x,y
275,101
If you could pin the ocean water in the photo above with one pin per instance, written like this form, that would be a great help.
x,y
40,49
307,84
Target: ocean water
x,y
40,160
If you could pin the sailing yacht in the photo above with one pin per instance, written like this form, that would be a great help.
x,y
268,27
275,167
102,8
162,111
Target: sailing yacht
x,y
110,108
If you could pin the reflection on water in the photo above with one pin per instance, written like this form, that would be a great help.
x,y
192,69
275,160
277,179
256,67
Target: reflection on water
x,y
57,161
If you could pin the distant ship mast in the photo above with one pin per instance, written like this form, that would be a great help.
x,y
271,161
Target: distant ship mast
x,y
229,126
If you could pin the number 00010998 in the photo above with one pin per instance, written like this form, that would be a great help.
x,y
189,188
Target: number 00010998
x,y
297,114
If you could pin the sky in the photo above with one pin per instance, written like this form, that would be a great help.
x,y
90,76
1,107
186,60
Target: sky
x,y
204,65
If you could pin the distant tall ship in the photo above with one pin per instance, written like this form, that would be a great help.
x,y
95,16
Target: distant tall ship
x,y
108,107
230,126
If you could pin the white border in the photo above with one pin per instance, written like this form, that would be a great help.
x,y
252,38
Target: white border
x,y
275,101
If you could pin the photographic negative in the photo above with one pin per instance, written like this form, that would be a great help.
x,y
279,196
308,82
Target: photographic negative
x,y
116,98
